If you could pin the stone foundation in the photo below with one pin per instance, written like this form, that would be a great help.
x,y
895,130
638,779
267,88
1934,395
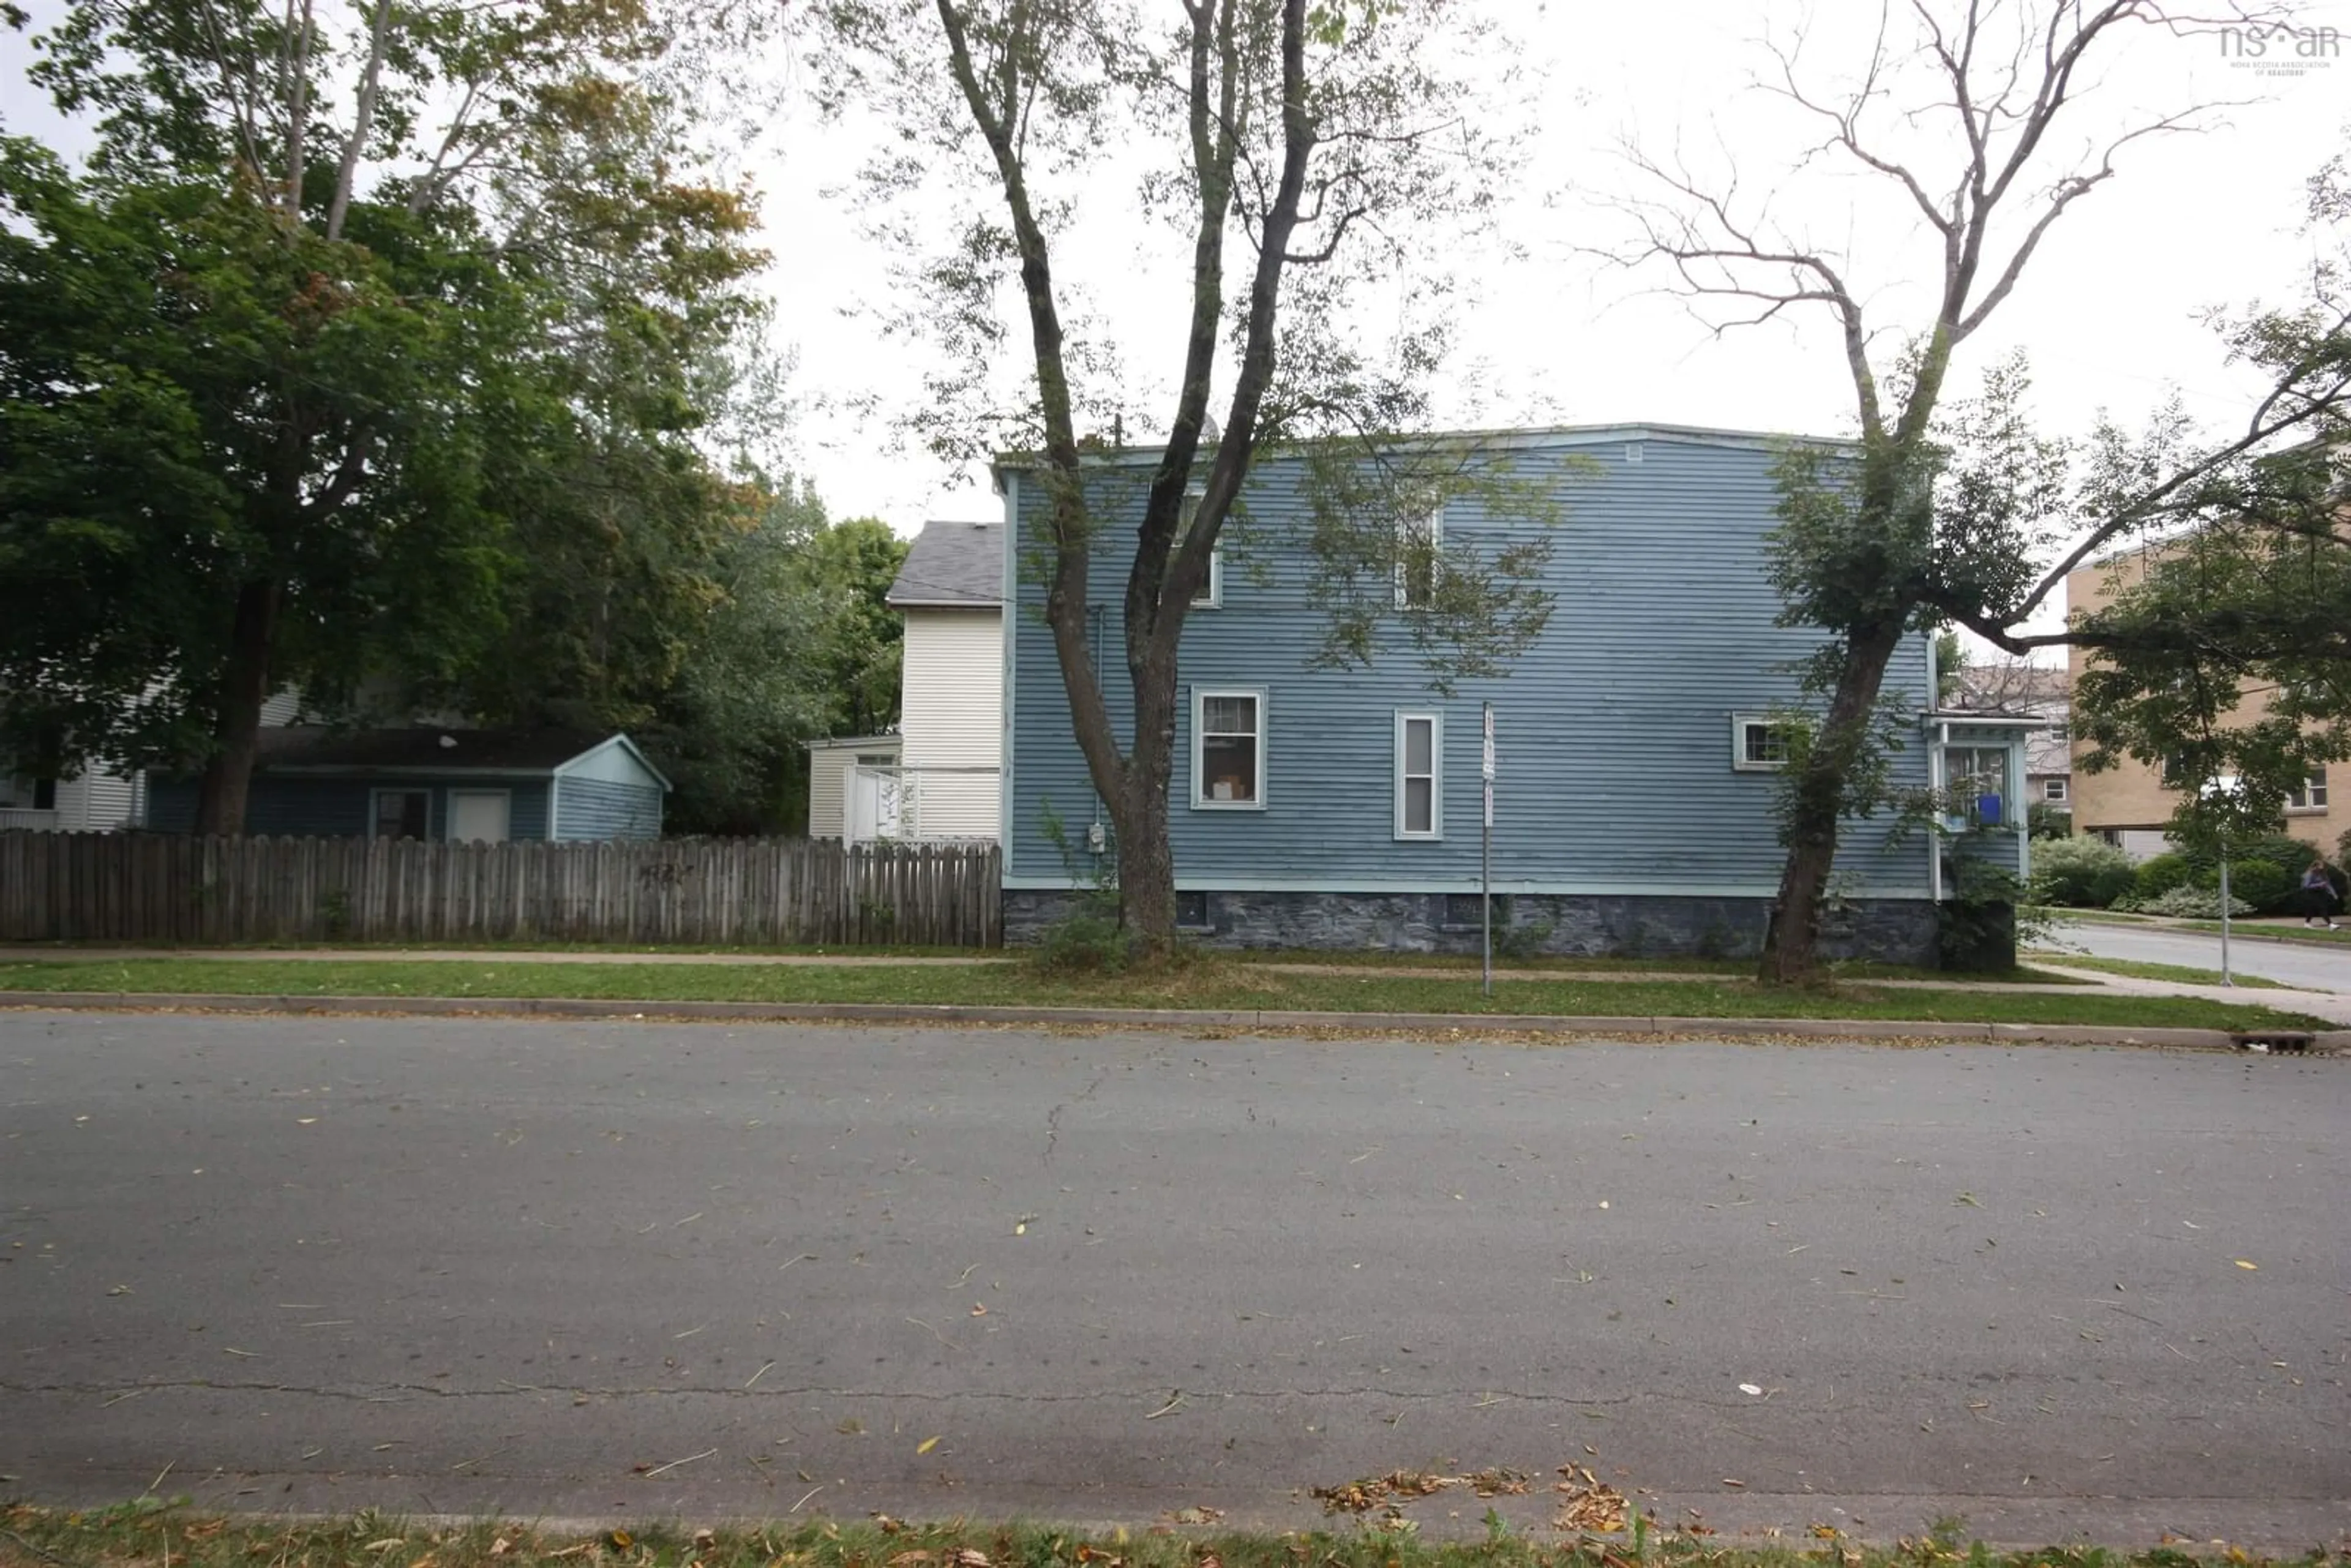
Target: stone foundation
x,y
1641,925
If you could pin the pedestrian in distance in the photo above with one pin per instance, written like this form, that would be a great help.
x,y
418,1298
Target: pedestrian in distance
x,y
2319,893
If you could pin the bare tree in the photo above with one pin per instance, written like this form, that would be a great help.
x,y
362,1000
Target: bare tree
x,y
1869,565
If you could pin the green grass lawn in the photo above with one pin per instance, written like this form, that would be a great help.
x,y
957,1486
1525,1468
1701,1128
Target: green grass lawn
x,y
1725,968
1549,1532
2184,973
1208,984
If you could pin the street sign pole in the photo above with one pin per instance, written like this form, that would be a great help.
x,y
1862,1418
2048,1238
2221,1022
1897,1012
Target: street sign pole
x,y
1485,857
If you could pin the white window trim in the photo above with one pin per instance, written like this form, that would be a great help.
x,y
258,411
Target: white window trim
x,y
1435,517
1436,722
1739,724
2011,759
1200,695
2052,790
2312,805
1213,596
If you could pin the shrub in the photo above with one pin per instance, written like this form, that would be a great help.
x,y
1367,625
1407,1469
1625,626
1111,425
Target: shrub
x,y
2260,883
2080,873
1088,940
2159,877
2187,903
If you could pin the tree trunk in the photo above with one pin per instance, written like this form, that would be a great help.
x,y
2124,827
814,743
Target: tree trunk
x,y
1146,859
236,712
1791,946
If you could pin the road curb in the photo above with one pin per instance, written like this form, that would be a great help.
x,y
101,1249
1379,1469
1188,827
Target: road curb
x,y
2329,1042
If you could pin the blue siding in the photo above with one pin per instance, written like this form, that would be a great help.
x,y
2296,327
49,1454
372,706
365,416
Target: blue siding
x,y
1614,732
601,809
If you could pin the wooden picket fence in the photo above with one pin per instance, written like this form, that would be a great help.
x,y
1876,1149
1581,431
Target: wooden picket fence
x,y
156,887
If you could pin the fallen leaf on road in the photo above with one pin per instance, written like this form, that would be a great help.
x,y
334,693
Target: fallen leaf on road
x,y
925,1446
1750,1389
2243,1264
1199,1514
1591,1503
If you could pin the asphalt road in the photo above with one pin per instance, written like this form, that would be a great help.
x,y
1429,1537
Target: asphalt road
x,y
2302,964
655,1270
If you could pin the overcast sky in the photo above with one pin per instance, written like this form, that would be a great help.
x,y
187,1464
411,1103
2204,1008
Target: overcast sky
x,y
2110,310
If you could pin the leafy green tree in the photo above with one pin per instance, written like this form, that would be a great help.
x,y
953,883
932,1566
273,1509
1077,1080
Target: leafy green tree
x,y
341,326
1297,151
798,645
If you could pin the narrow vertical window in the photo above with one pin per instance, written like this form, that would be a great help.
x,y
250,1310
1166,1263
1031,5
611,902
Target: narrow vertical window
x,y
1420,542
1212,591
1419,800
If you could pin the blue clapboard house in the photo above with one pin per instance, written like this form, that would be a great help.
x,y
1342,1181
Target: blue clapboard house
x,y
1636,755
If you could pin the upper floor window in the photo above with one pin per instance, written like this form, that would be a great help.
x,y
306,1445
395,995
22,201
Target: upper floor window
x,y
1212,592
1228,749
1759,744
1420,544
2311,797
1419,799
2052,788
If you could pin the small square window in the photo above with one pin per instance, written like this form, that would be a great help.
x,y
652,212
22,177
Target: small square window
x,y
1759,744
401,813
1191,911
2311,797
44,794
2052,788
1466,911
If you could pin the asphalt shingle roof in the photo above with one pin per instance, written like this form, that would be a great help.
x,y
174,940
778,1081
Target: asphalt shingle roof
x,y
952,564
423,749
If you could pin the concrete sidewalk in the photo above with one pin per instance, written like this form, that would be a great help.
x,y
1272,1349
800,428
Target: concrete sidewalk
x,y
2333,1006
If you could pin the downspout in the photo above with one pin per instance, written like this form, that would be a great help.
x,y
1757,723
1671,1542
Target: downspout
x,y
1935,782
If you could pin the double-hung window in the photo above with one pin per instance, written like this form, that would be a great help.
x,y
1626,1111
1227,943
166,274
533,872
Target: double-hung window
x,y
1419,549
2311,796
2052,788
1229,749
1212,591
1420,776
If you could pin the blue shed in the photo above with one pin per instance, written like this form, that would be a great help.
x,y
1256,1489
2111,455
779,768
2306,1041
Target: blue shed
x,y
427,782
1638,753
